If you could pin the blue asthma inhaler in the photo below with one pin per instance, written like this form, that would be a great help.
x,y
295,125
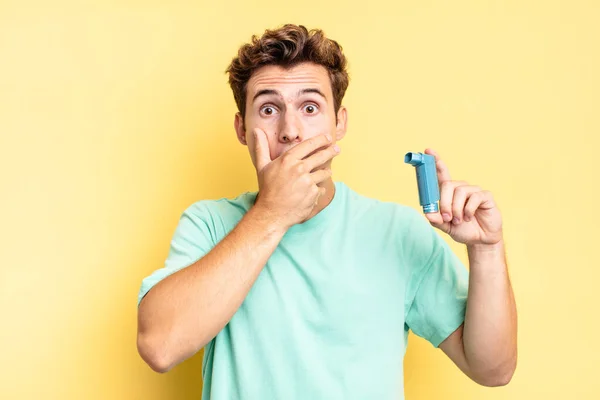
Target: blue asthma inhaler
x,y
429,189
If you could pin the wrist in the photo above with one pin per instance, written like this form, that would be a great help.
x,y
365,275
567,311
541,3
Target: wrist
x,y
267,220
486,254
497,247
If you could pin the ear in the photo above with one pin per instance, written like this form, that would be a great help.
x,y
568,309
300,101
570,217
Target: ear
x,y
238,124
342,123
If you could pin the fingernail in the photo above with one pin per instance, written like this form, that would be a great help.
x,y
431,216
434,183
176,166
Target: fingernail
x,y
446,217
456,220
467,219
328,138
336,148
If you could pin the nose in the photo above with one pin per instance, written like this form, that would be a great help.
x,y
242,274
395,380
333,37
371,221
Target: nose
x,y
290,129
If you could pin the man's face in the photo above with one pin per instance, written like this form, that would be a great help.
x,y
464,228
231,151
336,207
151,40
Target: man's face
x,y
290,106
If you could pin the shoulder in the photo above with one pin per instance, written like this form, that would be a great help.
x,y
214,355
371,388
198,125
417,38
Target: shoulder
x,y
213,218
404,226
388,212
223,208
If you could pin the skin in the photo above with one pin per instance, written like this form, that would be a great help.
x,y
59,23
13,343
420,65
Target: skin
x,y
291,130
484,347
283,117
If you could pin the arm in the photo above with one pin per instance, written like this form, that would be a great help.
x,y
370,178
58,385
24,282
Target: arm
x,y
187,309
485,346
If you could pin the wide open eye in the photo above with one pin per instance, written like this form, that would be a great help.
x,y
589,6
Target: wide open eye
x,y
311,108
268,110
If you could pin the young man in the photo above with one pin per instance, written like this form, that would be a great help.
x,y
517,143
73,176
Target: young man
x,y
307,289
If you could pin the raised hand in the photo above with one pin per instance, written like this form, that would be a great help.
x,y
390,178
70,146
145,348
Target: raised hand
x,y
467,213
288,185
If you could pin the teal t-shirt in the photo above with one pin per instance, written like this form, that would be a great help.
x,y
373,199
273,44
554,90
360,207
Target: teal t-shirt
x,y
329,315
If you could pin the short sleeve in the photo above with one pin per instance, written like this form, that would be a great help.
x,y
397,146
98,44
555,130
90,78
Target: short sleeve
x,y
193,238
437,284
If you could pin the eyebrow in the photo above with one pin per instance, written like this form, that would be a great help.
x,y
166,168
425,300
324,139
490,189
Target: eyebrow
x,y
265,92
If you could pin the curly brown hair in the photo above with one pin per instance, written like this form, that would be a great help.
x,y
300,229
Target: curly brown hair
x,y
287,46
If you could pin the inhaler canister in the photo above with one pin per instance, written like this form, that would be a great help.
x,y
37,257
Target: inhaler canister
x,y
427,182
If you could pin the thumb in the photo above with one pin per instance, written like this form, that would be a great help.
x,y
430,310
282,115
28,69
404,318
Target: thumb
x,y
261,146
436,220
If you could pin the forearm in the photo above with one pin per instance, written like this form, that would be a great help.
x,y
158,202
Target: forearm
x,y
490,329
187,309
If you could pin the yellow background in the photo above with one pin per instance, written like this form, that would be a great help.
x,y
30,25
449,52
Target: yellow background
x,y
115,116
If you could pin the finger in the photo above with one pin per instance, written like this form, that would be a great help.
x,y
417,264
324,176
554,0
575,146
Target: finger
x,y
308,146
261,143
472,205
442,171
436,220
461,195
320,175
321,157
447,197
482,199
